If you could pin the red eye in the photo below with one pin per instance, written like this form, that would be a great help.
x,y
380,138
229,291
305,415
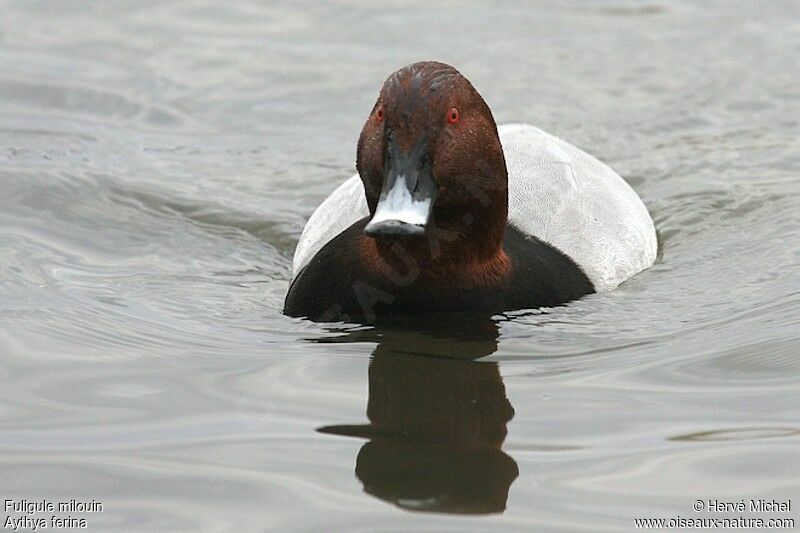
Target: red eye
x,y
453,116
379,114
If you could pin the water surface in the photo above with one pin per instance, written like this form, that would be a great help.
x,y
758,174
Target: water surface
x,y
157,165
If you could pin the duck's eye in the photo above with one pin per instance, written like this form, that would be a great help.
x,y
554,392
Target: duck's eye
x,y
453,115
379,114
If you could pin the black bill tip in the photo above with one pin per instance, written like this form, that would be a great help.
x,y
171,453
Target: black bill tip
x,y
396,228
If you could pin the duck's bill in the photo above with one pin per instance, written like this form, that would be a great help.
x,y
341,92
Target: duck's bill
x,y
406,201
401,210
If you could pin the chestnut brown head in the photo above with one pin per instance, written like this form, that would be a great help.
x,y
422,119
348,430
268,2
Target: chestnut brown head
x,y
430,157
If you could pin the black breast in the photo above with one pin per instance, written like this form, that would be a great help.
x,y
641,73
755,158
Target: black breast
x,y
335,285
542,276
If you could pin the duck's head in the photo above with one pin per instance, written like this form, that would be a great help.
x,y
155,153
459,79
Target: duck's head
x,y
431,160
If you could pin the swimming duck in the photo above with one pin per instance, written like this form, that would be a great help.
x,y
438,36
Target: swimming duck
x,y
448,212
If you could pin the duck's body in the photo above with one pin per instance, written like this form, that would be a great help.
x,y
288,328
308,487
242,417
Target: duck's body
x,y
561,225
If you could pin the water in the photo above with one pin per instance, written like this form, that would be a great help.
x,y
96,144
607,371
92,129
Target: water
x,y
157,164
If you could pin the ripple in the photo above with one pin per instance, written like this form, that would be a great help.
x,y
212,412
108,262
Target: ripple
x,y
738,434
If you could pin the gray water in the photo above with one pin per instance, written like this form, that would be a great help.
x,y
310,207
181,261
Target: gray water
x,y
158,162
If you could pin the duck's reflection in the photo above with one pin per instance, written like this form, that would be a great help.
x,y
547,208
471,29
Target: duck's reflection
x,y
437,420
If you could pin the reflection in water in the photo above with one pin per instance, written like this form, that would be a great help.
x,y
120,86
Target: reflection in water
x,y
437,420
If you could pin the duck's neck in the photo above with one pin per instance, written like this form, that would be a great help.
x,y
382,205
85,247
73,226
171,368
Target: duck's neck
x,y
464,250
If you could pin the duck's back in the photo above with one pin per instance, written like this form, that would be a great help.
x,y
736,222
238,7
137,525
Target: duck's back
x,y
557,193
569,199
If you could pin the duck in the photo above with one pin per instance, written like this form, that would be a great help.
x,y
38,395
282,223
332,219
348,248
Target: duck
x,y
449,213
